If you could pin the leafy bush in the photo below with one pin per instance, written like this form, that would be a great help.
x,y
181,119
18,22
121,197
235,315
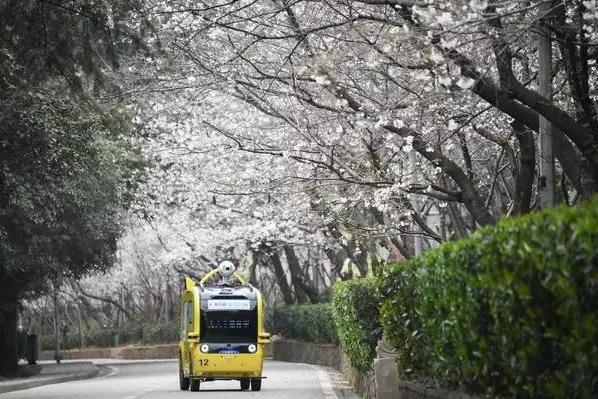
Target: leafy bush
x,y
310,323
355,305
511,311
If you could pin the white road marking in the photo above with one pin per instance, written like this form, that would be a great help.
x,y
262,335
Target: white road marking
x,y
113,371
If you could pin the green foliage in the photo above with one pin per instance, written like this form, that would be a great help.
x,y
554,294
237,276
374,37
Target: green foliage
x,y
75,40
510,311
310,323
64,178
356,317
63,174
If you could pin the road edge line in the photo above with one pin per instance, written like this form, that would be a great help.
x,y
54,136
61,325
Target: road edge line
x,y
111,371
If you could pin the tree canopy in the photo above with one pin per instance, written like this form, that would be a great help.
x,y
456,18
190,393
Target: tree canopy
x,y
313,140
68,167
340,135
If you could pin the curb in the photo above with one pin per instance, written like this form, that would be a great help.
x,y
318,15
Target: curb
x,y
59,378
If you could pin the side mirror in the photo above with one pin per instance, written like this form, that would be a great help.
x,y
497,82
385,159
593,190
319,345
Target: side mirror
x,y
263,338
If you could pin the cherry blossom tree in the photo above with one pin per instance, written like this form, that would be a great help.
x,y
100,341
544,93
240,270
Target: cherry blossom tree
x,y
314,140
360,128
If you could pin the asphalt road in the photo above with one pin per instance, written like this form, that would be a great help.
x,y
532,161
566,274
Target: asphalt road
x,y
160,380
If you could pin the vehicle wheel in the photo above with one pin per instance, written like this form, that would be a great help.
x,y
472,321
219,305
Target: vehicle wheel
x,y
245,384
195,385
256,384
183,381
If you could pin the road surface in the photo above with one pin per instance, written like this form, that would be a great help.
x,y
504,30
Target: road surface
x,y
159,380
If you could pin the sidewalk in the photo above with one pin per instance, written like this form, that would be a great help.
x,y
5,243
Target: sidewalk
x,y
51,373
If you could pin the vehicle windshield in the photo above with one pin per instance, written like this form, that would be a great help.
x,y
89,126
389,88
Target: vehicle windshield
x,y
228,326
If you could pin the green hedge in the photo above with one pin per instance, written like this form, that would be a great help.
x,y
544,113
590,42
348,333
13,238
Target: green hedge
x,y
511,311
310,323
356,318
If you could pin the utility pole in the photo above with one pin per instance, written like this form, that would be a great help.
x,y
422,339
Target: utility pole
x,y
546,164
417,238
57,338
56,321
418,244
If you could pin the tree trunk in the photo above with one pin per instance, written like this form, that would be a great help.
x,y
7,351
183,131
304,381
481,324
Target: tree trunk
x,y
8,330
281,278
468,195
252,267
457,223
80,325
336,258
357,257
303,289
527,167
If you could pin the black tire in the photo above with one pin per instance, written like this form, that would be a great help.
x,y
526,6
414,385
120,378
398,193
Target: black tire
x,y
183,381
195,385
256,384
245,384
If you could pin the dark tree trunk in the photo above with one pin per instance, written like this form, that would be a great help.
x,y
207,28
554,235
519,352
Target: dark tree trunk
x,y
336,258
527,169
457,222
253,268
469,195
358,257
397,248
392,245
281,278
303,289
8,330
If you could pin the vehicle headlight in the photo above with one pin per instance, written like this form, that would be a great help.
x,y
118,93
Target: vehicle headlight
x,y
205,348
252,348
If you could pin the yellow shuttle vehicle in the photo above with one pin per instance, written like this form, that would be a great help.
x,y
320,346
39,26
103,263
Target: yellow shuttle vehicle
x,y
222,332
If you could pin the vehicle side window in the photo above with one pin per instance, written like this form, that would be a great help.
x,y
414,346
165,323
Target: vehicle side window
x,y
189,312
186,319
183,329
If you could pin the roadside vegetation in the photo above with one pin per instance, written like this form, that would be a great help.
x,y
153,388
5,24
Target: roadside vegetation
x,y
310,143
311,146
67,166
492,314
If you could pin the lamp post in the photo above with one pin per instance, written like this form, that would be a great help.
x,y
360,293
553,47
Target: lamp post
x,y
57,351
546,164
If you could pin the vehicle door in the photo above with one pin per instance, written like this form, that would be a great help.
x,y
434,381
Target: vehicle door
x,y
186,327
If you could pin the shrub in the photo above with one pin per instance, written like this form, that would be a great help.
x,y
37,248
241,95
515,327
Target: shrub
x,y
310,323
355,305
511,311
